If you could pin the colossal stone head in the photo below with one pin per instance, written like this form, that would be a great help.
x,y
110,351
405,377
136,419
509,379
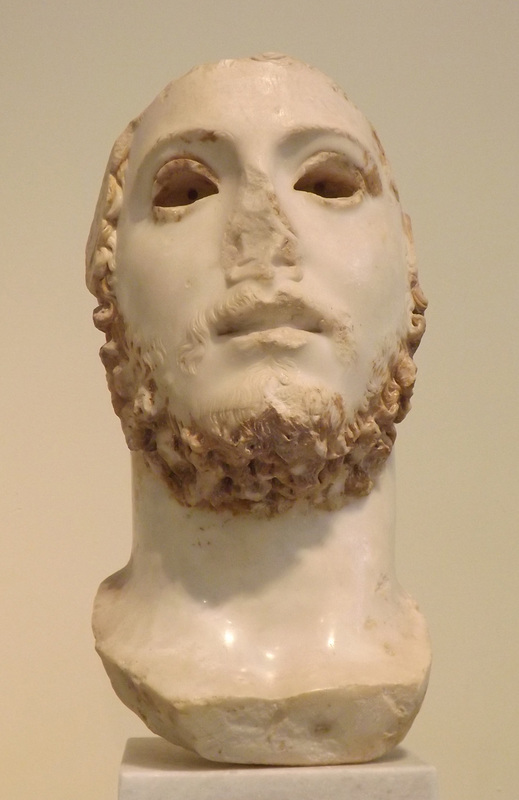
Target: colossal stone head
x,y
257,287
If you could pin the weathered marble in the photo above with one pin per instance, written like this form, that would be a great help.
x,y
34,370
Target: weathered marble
x,y
257,288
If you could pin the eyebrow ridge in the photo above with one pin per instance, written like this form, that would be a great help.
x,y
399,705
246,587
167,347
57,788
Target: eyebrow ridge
x,y
186,136
199,135
319,130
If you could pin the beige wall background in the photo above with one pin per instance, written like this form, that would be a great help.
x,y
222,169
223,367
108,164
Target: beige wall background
x,y
439,79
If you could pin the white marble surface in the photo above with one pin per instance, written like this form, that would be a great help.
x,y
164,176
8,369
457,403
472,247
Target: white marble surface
x,y
153,769
257,287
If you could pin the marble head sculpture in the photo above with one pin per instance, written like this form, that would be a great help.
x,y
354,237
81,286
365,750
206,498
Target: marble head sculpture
x,y
258,292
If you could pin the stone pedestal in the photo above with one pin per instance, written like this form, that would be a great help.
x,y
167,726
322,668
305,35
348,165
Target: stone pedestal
x,y
153,769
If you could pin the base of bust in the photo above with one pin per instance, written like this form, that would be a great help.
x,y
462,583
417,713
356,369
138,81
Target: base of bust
x,y
343,725
153,769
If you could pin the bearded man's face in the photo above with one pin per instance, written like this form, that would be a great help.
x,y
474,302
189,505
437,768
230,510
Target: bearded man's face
x,y
262,275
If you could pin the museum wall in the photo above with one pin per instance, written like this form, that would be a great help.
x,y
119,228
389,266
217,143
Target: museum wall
x,y
439,80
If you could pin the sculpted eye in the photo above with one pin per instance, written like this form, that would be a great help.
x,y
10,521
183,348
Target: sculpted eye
x,y
331,175
181,182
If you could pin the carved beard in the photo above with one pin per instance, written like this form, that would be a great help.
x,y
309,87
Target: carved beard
x,y
304,453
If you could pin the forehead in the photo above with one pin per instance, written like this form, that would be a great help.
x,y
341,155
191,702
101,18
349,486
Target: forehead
x,y
247,100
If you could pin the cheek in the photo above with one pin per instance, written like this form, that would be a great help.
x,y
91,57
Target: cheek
x,y
359,258
380,276
164,275
354,242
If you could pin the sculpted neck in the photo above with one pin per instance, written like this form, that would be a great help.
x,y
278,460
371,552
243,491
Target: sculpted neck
x,y
216,556
294,623
259,607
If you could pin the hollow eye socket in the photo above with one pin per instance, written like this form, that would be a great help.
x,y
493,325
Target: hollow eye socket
x,y
331,177
181,182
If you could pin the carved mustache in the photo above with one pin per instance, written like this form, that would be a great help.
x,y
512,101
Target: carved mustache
x,y
247,310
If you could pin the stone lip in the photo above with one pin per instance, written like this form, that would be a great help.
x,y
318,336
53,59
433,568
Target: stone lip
x,y
342,725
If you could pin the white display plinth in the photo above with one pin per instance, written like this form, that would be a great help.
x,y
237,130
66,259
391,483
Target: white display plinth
x,y
153,769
